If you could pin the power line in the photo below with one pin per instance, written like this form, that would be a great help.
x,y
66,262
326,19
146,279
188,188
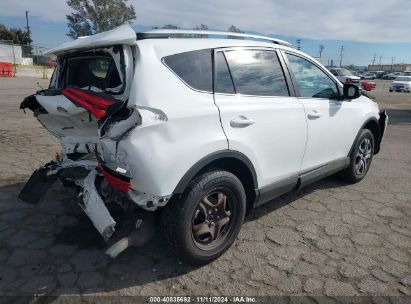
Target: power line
x,y
373,59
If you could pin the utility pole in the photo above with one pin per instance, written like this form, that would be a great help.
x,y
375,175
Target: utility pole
x,y
321,49
373,59
341,54
37,56
298,44
392,63
380,59
27,25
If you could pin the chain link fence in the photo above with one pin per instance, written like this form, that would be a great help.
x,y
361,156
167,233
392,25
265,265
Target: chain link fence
x,y
19,54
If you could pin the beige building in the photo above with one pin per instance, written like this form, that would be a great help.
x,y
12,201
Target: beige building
x,y
390,67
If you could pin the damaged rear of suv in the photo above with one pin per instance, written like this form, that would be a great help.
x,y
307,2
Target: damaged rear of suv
x,y
88,91
201,130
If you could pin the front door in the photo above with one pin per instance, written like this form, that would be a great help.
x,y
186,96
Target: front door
x,y
332,123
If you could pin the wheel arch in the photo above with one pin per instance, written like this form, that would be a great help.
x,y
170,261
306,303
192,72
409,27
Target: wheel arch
x,y
232,161
372,125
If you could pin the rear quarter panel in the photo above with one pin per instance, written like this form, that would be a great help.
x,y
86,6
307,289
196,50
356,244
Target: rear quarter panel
x,y
179,126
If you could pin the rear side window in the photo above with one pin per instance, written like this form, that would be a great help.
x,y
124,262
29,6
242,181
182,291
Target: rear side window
x,y
257,72
194,68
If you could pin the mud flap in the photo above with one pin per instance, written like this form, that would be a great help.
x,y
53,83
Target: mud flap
x,y
37,185
383,122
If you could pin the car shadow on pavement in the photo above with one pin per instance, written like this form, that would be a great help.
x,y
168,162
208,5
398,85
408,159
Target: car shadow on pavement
x,y
52,248
399,116
288,198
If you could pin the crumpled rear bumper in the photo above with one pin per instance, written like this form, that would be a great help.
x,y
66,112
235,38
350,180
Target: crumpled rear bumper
x,y
95,208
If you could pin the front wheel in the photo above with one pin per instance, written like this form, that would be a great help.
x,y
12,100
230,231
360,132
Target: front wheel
x,y
360,158
202,224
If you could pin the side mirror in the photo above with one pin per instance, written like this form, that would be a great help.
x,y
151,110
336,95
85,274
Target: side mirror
x,y
351,91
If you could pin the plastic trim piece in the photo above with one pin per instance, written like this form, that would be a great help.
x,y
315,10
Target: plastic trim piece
x,y
168,33
195,169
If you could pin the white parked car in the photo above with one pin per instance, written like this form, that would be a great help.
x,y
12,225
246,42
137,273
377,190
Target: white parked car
x,y
202,128
369,75
401,84
345,76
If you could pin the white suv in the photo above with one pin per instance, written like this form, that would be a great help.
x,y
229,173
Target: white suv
x,y
204,128
345,76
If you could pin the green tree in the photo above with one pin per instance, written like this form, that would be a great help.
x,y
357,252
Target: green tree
x,y
234,29
167,26
94,16
18,36
201,27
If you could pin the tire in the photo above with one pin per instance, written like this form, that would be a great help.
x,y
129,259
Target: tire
x,y
390,91
360,158
201,225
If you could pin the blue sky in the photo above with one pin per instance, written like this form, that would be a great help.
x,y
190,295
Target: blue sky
x,y
364,27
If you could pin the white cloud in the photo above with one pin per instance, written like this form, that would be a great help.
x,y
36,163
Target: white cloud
x,y
365,20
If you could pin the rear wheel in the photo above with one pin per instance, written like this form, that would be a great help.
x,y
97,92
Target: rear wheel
x,y
205,221
360,158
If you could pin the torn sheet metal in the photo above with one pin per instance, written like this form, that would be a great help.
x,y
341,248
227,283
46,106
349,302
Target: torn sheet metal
x,y
95,208
118,129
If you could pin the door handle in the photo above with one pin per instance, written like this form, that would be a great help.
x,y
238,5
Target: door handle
x,y
314,114
241,122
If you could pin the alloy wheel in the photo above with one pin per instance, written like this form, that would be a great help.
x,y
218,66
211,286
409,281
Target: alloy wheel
x,y
212,219
363,158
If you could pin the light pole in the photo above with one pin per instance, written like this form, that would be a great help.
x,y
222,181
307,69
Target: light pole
x,y
341,54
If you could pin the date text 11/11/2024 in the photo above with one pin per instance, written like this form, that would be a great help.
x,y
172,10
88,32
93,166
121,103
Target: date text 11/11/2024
x,y
203,299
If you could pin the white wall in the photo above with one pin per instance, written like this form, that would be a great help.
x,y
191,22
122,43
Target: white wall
x,y
6,53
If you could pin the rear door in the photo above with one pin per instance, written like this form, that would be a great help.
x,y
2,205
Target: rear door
x,y
259,115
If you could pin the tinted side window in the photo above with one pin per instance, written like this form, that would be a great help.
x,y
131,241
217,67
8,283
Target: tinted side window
x,y
257,72
223,82
194,68
311,81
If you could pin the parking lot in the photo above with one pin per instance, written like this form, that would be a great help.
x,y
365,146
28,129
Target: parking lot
x,y
330,239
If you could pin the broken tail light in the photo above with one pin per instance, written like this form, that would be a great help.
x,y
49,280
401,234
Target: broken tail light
x,y
121,185
118,181
93,102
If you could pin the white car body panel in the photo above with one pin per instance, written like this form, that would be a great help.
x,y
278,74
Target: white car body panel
x,y
163,133
278,134
59,105
122,35
337,125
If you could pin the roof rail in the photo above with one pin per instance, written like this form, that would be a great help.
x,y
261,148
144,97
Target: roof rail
x,y
167,33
